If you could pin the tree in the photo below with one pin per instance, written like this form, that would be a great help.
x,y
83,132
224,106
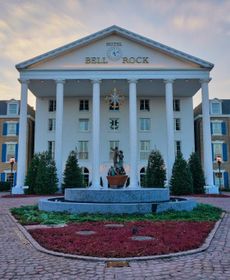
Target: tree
x,y
155,172
30,180
72,175
197,173
181,180
42,175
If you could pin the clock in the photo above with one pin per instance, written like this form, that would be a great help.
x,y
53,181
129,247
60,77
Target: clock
x,y
114,53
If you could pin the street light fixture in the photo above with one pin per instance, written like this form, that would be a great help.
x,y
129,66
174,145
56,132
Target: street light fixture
x,y
219,161
12,162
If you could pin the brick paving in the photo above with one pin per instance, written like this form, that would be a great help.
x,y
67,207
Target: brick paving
x,y
20,260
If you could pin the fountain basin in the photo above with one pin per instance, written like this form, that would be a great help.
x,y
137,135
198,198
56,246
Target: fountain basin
x,y
116,201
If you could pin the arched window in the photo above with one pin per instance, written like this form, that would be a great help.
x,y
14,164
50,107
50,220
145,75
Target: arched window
x,y
85,173
142,175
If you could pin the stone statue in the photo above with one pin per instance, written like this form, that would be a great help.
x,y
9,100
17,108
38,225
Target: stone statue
x,y
118,159
115,157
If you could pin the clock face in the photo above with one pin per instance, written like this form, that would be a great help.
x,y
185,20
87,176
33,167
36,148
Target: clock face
x,y
114,53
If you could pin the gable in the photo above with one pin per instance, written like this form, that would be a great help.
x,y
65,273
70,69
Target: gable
x,y
114,52
93,51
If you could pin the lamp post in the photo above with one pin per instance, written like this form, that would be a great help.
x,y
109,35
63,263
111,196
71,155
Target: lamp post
x,y
12,162
219,161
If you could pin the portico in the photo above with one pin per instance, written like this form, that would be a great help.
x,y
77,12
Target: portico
x,y
67,75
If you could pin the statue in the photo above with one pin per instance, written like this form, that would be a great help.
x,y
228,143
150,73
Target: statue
x,y
115,157
118,159
116,174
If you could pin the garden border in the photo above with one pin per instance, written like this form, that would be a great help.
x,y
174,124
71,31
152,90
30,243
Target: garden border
x,y
38,247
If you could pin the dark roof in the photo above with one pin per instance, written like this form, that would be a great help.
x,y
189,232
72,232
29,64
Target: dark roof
x,y
225,107
3,107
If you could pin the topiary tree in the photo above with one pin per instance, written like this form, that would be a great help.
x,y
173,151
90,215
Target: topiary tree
x,y
42,175
181,180
155,172
197,173
72,175
30,180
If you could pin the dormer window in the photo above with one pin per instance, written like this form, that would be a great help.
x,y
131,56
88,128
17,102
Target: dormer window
x,y
215,108
12,109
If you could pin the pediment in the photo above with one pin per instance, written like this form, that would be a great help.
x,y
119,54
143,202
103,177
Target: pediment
x,y
114,48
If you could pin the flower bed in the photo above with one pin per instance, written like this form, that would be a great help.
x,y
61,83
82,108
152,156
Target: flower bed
x,y
107,241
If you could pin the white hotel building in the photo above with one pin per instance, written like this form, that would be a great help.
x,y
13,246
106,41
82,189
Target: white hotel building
x,y
114,88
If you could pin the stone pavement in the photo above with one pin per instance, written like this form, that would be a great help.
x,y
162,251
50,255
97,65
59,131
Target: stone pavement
x,y
20,260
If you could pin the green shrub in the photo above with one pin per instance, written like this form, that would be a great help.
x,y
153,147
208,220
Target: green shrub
x,y
42,175
197,174
72,175
155,173
4,186
181,180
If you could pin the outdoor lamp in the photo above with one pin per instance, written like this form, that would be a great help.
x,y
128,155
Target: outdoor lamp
x,y
12,162
219,161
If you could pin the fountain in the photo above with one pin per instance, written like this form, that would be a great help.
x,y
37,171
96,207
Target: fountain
x,y
117,199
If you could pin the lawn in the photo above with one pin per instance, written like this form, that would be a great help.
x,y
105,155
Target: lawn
x,y
121,235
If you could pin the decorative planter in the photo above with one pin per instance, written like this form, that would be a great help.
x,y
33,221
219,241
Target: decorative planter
x,y
117,181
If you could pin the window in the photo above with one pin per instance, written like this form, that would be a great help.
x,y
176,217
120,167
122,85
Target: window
x,y
10,151
84,124
144,124
144,105
144,150
84,105
52,124
176,105
216,128
142,176
114,106
114,124
83,150
12,109
51,148
11,128
219,178
52,105
177,124
216,108
85,174
217,150
112,146
177,147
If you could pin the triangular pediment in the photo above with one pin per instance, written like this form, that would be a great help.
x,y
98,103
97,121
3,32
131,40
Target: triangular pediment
x,y
114,48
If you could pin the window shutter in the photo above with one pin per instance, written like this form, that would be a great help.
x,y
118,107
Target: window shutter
x,y
226,184
225,154
2,177
211,128
17,129
223,124
15,178
212,153
3,152
16,152
4,131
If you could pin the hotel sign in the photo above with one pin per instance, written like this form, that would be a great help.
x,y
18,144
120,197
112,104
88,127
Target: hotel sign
x,y
114,53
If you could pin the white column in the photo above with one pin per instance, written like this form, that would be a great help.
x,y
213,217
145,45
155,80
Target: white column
x,y
96,135
133,133
170,127
59,126
207,147
22,151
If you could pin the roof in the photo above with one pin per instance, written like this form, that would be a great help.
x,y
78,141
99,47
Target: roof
x,y
225,107
123,33
3,107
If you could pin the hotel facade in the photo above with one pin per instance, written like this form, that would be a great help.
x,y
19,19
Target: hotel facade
x,y
113,89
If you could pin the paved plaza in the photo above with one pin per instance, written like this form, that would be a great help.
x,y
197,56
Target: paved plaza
x,y
20,260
